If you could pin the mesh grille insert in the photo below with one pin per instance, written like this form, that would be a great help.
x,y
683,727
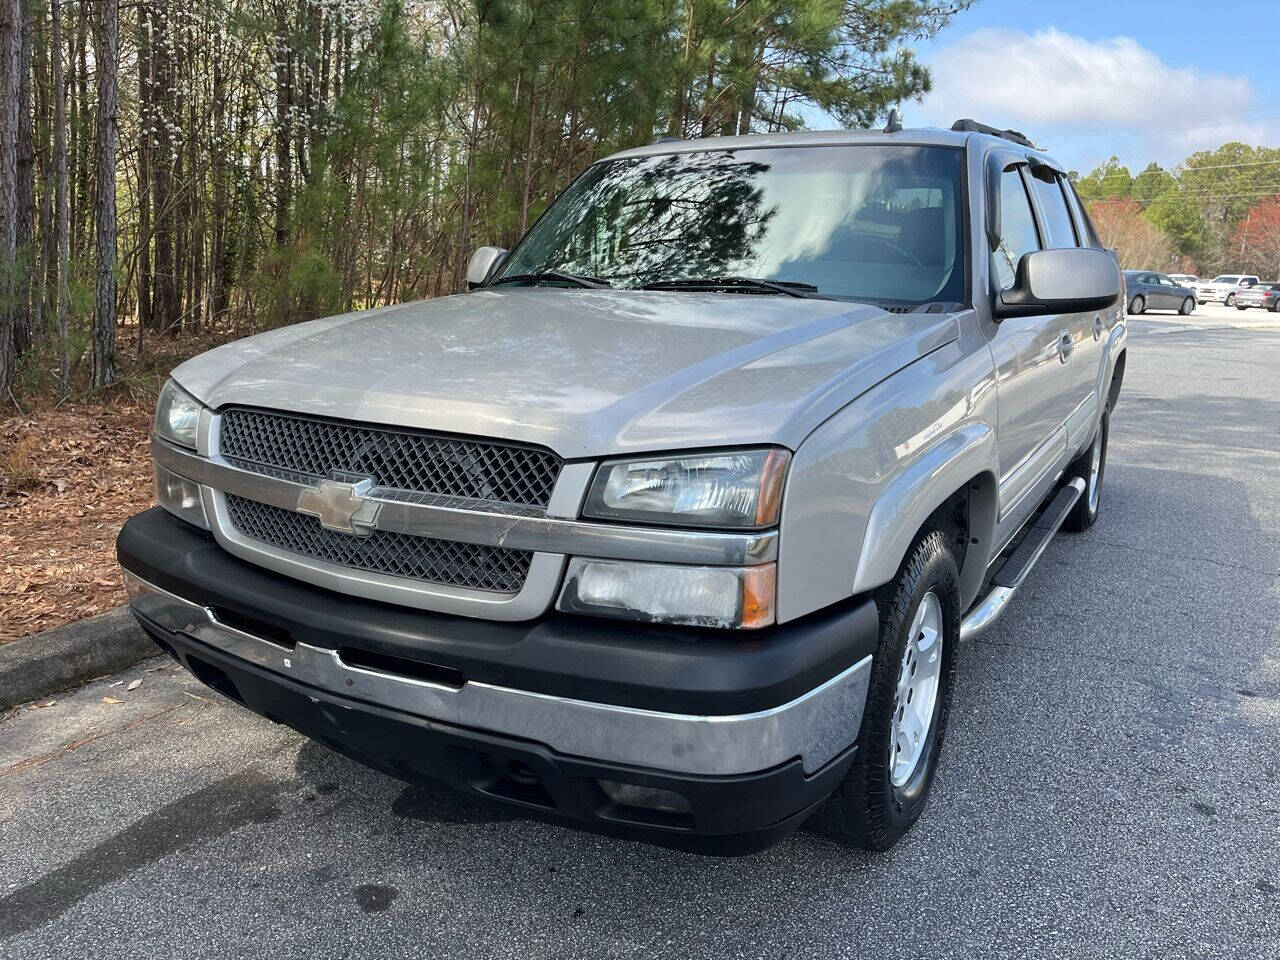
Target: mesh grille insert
x,y
404,459
446,562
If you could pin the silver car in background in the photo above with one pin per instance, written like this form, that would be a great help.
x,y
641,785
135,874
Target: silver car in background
x,y
1148,290
1265,295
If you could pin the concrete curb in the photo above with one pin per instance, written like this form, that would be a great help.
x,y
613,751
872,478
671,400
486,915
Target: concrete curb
x,y
65,657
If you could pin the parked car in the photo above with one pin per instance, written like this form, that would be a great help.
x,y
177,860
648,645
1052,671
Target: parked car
x,y
1265,295
1222,288
1147,290
1184,279
672,528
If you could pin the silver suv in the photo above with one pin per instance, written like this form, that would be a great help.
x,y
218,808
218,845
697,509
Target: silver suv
x,y
672,527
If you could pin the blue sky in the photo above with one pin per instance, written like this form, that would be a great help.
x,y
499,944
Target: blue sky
x,y
1141,79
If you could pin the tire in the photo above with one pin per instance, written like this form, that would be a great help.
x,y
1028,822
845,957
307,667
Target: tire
x,y
1275,306
1085,513
1241,307
875,805
1138,304
1188,305
1230,301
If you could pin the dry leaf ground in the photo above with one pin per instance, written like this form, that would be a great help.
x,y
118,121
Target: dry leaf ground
x,y
69,477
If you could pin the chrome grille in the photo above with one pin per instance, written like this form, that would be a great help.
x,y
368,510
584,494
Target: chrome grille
x,y
446,562
402,459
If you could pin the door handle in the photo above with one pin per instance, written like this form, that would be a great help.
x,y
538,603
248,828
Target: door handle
x,y
1065,345
1097,328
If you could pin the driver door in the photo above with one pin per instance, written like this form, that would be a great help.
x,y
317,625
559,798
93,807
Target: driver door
x,y
1032,356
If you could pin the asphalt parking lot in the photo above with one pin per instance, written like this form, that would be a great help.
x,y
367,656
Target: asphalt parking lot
x,y
1110,785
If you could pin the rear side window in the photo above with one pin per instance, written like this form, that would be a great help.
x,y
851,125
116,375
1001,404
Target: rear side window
x,y
1017,228
1059,231
1083,223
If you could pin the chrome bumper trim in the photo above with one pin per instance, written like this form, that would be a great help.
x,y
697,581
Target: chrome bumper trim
x,y
815,726
471,521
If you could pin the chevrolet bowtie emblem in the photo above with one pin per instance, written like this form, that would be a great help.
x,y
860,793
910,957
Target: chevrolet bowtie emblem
x,y
340,506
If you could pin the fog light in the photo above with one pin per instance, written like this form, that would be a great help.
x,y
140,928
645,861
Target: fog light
x,y
646,798
739,597
180,496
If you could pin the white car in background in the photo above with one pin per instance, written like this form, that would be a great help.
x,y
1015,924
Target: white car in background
x,y
1184,279
1222,288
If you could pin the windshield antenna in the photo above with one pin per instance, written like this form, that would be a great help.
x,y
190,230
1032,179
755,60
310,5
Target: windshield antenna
x,y
895,122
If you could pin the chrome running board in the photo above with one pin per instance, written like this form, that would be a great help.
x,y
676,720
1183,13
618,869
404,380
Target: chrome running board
x,y
1012,573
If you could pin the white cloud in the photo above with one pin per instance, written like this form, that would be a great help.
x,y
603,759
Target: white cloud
x,y
1057,79
1089,98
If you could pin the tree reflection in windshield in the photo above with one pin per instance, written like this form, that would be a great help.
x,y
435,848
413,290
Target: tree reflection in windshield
x,y
870,222
679,215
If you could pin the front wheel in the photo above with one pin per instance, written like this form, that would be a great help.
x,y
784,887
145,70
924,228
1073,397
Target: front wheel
x,y
885,791
1188,305
1230,301
1138,304
1089,466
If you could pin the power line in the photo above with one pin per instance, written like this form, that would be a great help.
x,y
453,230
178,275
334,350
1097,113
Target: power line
x,y
1221,196
1178,191
1225,166
1186,170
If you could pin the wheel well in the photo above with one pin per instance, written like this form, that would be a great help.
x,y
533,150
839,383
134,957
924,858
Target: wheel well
x,y
968,520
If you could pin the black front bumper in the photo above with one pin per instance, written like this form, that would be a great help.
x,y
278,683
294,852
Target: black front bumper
x,y
603,661
726,815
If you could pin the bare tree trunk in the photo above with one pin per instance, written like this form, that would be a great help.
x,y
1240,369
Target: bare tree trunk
x,y
166,307
284,123
218,174
146,117
104,318
42,281
82,204
464,235
62,213
528,154
10,43
24,333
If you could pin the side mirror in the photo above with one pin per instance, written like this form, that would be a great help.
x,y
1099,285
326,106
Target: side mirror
x,y
482,265
1071,280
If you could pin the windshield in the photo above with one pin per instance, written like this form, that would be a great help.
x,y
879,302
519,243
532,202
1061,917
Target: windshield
x,y
1225,280
861,222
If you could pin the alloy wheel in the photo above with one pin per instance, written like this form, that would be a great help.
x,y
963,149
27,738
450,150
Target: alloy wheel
x,y
917,693
1095,470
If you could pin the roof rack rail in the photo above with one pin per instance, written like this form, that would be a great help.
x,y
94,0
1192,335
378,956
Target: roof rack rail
x,y
973,126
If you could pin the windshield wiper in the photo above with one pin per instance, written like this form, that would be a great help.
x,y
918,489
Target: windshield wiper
x,y
789,288
573,278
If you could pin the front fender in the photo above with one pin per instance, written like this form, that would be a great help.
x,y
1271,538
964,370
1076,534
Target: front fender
x,y
906,503
863,483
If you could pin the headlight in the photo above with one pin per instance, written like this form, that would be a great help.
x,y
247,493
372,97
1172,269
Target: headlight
x,y
734,597
180,496
177,416
732,489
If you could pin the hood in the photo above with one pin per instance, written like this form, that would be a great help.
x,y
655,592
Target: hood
x,y
586,373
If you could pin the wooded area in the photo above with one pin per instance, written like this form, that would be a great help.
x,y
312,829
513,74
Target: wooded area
x,y
1216,212
172,168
